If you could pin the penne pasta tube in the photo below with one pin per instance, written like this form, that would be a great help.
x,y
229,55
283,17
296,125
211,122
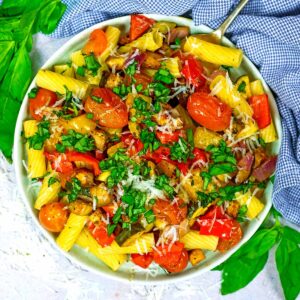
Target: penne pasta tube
x,y
215,54
70,233
48,192
86,241
36,160
112,34
151,41
194,240
254,205
269,133
65,70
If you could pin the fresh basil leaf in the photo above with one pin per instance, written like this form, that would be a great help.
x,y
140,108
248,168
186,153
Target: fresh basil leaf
x,y
260,243
7,51
18,76
287,258
240,272
9,109
50,15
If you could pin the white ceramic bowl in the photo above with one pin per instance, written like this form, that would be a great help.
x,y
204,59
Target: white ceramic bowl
x,y
128,271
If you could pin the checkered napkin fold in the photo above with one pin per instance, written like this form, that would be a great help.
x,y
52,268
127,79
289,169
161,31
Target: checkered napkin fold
x,y
268,31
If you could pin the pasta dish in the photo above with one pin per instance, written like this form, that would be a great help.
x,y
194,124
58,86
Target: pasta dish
x,y
146,148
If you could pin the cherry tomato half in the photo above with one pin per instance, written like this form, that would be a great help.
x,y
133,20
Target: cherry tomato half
x,y
173,258
209,111
236,236
143,261
138,25
109,110
53,216
97,43
171,213
43,98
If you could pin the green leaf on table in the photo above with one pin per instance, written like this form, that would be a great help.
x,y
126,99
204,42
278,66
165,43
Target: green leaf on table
x,y
50,15
7,51
249,260
237,274
287,258
9,109
18,76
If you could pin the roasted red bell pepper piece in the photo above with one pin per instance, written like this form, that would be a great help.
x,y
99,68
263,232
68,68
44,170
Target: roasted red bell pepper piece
x,y
59,162
192,71
99,232
216,223
261,110
138,25
166,138
143,260
73,156
109,209
221,228
134,145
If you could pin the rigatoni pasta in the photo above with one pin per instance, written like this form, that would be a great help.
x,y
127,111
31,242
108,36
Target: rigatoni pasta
x,y
70,233
36,160
59,83
213,53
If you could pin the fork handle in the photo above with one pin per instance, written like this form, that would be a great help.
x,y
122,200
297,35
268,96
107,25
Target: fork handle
x,y
223,27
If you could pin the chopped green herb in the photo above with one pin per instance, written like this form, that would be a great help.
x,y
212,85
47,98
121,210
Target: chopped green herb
x,y
52,180
181,150
80,71
37,140
242,87
92,64
164,76
80,142
162,182
161,92
97,99
242,213
32,94
90,115
139,88
177,41
131,69
74,188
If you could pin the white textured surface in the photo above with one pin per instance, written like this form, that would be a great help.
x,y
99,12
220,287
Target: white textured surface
x,y
31,269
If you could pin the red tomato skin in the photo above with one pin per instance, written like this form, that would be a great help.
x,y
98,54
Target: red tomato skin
x,y
221,228
99,232
143,261
96,44
209,111
59,162
74,156
180,265
199,155
43,98
166,138
236,236
261,110
172,213
164,254
134,145
173,258
53,216
111,112
192,71
138,25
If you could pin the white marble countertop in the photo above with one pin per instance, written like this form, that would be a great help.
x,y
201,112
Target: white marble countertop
x,y
31,268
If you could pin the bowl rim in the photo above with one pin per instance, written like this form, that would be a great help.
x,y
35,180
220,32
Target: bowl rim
x,y
77,262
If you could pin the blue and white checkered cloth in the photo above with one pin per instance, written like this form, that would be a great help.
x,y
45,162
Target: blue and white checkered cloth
x,y
269,33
